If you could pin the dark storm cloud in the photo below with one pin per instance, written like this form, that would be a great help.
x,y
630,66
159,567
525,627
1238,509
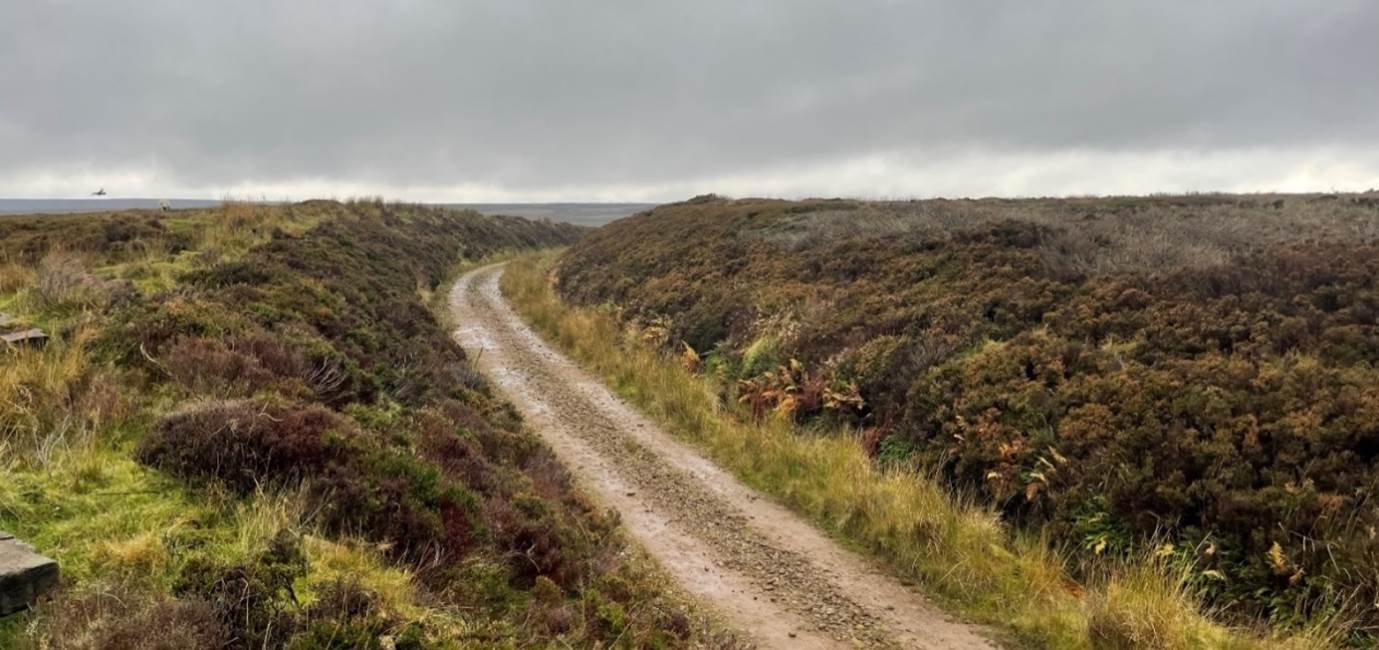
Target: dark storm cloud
x,y
535,95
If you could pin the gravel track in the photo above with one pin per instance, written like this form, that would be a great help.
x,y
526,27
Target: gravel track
x,y
765,570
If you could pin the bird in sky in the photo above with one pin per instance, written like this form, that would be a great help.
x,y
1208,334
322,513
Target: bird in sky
x,y
99,192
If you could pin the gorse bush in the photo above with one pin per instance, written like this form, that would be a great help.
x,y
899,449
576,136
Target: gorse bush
x,y
1122,374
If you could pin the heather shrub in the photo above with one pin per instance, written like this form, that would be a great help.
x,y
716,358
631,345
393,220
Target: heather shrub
x,y
239,366
244,444
393,498
212,367
530,518
444,441
1256,460
141,332
251,600
226,274
348,615
535,543
357,487
114,237
126,619
62,278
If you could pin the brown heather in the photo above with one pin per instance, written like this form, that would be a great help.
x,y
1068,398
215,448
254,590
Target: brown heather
x,y
1189,379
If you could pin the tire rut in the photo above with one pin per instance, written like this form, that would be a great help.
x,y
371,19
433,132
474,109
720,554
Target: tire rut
x,y
769,573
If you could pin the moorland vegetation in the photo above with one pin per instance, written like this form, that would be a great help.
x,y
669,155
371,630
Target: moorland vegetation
x,y
1183,382
250,430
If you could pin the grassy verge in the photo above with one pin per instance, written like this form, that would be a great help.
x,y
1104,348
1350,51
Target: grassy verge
x,y
960,552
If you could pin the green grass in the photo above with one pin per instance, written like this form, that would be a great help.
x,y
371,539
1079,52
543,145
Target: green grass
x,y
958,551
117,527
100,514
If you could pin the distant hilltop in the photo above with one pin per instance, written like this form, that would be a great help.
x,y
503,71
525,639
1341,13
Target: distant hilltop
x,y
585,214
61,206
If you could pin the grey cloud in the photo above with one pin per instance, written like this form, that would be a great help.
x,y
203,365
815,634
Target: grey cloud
x,y
569,94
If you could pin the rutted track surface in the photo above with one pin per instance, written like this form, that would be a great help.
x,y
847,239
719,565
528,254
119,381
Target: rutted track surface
x,y
768,572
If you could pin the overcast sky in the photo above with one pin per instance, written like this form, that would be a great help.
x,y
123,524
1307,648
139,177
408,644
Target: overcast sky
x,y
507,100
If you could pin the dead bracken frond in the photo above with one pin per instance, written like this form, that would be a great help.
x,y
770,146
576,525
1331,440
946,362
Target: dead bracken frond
x,y
792,392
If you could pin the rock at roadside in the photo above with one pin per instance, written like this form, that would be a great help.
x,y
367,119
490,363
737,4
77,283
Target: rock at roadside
x,y
25,576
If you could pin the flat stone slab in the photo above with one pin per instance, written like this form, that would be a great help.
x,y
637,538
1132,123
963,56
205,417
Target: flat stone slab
x,y
33,337
25,576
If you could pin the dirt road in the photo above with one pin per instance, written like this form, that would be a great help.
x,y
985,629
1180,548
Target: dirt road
x,y
768,572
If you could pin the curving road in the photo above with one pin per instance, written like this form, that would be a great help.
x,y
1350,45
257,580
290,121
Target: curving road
x,y
765,570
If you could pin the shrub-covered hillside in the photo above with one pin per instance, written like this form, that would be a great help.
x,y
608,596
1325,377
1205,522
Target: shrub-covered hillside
x,y
250,431
1193,376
